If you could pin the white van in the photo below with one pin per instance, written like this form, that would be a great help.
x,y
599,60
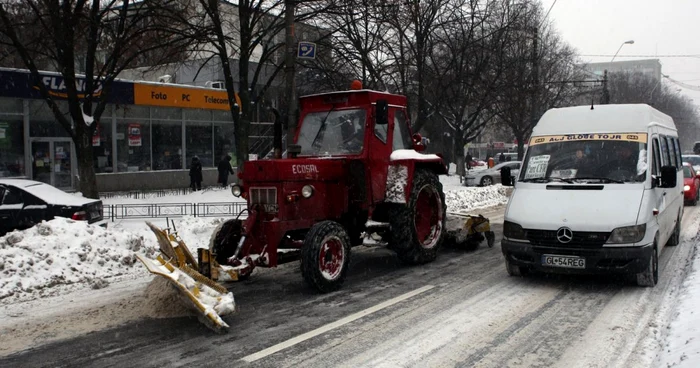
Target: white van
x,y
600,190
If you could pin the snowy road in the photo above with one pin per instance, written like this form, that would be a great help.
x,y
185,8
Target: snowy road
x,y
461,310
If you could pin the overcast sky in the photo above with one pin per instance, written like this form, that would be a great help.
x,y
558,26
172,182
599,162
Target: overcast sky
x,y
658,27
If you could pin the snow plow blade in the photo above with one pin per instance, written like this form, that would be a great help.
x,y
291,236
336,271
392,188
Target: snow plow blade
x,y
202,295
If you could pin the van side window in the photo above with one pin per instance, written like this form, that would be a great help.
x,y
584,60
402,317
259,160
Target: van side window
x,y
679,157
656,158
672,152
663,151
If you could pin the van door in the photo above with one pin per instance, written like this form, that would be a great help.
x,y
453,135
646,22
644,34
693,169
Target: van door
x,y
657,193
668,207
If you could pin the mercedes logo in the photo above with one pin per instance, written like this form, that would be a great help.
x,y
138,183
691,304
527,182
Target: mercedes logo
x,y
564,235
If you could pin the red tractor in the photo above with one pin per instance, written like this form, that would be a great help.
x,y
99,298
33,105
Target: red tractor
x,y
354,171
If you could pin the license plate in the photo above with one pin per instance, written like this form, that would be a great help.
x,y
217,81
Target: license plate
x,y
550,260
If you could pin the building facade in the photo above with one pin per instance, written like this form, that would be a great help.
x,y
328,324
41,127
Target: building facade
x,y
145,139
650,67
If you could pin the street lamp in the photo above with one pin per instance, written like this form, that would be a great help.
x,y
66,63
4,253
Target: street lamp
x,y
618,50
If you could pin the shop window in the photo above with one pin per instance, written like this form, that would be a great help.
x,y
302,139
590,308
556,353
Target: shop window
x,y
198,137
167,145
132,112
102,146
133,145
197,115
166,113
224,143
11,106
42,121
11,146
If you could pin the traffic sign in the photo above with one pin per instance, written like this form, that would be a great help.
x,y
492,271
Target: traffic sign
x,y
307,50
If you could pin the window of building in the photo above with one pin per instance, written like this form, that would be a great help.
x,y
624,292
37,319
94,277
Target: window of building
x,y
199,143
133,145
42,121
224,143
102,146
11,146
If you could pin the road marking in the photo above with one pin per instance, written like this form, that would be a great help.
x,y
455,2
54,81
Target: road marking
x,y
323,329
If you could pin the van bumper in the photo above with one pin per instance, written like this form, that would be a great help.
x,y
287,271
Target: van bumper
x,y
603,260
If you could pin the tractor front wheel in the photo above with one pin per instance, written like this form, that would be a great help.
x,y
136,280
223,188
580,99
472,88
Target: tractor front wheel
x,y
325,256
418,228
224,240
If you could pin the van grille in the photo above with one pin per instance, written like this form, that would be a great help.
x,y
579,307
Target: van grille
x,y
581,239
267,197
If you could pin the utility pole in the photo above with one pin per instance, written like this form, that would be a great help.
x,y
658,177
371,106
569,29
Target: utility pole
x,y
535,78
606,93
289,72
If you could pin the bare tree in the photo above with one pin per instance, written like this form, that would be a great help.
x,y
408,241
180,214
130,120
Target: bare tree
x,y
540,75
67,33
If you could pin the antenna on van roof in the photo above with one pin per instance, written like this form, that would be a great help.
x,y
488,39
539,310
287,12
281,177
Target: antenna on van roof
x,y
592,99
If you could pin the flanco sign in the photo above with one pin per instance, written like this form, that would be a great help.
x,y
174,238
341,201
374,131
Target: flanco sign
x,y
172,96
57,87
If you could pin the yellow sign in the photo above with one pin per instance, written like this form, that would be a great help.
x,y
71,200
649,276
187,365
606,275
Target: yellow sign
x,y
171,96
628,137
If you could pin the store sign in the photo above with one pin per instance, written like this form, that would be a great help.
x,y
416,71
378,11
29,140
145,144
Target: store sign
x,y
171,96
134,131
57,86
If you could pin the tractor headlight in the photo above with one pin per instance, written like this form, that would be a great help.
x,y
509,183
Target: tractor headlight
x,y
628,234
236,190
686,188
307,191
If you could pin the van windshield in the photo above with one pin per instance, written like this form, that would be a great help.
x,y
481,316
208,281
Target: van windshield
x,y
607,158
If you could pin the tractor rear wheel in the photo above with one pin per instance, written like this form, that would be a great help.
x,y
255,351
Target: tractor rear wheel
x,y
325,256
418,228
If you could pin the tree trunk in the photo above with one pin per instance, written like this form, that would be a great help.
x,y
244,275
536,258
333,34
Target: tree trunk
x,y
86,165
459,153
521,146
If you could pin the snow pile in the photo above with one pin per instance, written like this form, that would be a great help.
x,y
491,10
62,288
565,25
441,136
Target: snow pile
x,y
63,251
469,198
683,348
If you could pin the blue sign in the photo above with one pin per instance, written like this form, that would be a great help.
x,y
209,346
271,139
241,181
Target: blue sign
x,y
16,83
307,50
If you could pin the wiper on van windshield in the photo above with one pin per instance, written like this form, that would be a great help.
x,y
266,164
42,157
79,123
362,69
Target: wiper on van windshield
x,y
602,180
547,180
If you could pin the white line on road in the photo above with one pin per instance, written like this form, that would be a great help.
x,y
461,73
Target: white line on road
x,y
323,329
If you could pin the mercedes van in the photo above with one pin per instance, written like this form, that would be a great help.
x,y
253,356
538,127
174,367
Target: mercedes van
x,y
600,190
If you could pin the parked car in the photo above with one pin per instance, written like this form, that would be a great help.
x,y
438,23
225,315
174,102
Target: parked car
x,y
24,203
693,160
691,184
490,176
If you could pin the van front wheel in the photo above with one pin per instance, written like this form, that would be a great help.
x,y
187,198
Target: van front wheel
x,y
650,276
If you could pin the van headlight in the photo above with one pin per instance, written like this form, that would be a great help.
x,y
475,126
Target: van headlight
x,y
628,234
513,231
236,190
307,191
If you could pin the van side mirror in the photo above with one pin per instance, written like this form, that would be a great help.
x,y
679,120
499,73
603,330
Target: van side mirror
x,y
382,117
668,177
506,178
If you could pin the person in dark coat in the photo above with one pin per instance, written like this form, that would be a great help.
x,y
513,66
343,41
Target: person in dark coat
x,y
196,174
225,169
501,158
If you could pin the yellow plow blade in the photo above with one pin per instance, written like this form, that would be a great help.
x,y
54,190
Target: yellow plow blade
x,y
202,295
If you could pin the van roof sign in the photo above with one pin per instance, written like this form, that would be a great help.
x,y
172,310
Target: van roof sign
x,y
627,137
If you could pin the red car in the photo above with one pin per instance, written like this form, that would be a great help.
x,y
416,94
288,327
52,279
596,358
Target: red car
x,y
691,184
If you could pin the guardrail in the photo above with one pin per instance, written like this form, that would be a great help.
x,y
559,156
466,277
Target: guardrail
x,y
115,212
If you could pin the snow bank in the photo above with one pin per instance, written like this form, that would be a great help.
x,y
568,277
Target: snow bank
x,y
44,259
468,198
683,348
63,251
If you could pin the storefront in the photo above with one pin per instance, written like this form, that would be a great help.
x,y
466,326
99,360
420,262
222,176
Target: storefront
x,y
146,128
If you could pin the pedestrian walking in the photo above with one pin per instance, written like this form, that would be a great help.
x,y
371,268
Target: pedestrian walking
x,y
196,174
225,169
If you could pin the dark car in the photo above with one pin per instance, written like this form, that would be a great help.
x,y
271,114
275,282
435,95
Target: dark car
x,y
24,203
